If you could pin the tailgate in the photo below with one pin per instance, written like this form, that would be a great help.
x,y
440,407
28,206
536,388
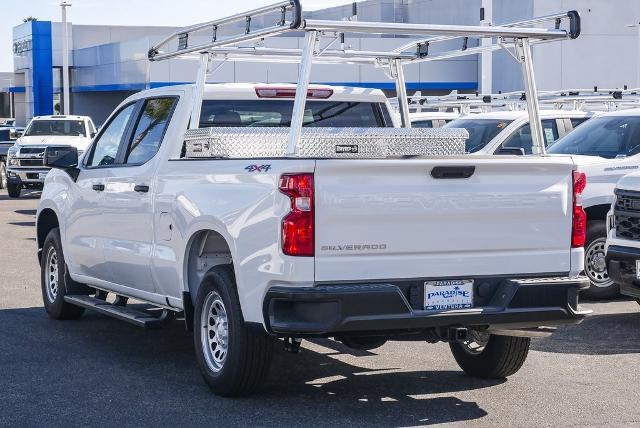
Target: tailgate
x,y
391,219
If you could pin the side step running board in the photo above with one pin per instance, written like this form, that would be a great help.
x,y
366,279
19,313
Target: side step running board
x,y
123,313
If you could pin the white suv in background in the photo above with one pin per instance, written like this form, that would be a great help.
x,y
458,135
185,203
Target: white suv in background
x,y
25,167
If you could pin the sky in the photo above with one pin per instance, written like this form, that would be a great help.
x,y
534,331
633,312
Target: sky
x,y
126,12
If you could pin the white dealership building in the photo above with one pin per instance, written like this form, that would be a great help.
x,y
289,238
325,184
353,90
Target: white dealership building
x,y
108,63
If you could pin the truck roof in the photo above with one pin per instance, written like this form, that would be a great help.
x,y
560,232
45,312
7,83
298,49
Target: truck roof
x,y
61,117
247,91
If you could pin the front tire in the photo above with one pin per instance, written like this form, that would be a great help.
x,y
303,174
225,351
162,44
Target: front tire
x,y
55,280
233,358
3,175
14,190
595,267
489,356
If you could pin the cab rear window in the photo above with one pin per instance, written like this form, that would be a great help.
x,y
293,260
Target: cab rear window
x,y
277,113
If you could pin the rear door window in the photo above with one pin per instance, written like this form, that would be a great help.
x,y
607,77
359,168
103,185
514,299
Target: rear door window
x,y
277,113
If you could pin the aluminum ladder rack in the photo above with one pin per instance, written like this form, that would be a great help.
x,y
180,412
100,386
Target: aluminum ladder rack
x,y
227,39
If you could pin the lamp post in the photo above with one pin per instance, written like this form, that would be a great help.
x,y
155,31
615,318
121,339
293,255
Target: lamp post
x,y
65,57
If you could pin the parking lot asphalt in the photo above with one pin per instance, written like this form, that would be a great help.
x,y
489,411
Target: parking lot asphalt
x,y
99,371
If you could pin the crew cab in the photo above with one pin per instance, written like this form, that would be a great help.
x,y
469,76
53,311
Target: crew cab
x,y
623,240
249,245
24,160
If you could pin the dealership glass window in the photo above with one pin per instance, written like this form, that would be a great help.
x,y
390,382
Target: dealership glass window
x,y
277,113
150,129
105,149
522,137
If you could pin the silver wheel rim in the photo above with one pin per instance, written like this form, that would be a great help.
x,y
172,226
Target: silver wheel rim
x,y
51,274
3,176
476,342
215,331
594,264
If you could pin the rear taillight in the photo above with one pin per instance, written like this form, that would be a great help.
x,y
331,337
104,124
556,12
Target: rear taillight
x,y
298,225
271,92
579,225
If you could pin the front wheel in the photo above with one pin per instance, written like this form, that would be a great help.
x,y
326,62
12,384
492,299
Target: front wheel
x,y
595,266
234,359
489,356
55,281
13,190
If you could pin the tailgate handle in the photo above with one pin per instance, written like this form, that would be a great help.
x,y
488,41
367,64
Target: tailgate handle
x,y
452,172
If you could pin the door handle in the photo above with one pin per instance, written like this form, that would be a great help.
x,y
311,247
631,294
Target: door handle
x,y
452,172
98,187
142,188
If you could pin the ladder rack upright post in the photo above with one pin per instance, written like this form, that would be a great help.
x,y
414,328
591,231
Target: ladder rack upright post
x,y
523,50
201,79
397,71
304,75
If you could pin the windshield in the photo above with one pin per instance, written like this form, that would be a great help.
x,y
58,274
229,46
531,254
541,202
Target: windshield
x,y
481,131
73,128
277,113
607,137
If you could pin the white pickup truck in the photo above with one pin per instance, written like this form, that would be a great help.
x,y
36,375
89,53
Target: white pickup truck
x,y
278,211
255,247
24,158
605,148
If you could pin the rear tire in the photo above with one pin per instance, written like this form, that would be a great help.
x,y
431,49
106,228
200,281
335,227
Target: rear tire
x,y
233,358
55,280
499,357
14,190
601,287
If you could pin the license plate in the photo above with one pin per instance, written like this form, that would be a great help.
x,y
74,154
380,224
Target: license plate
x,y
637,269
42,176
449,294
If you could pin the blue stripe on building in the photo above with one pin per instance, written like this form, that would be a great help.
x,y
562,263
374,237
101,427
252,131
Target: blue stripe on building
x,y
42,68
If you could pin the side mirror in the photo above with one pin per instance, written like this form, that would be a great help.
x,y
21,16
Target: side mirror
x,y
93,134
64,158
517,151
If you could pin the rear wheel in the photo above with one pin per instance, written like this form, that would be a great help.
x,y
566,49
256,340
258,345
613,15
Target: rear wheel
x,y
55,280
233,358
595,266
486,355
13,190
